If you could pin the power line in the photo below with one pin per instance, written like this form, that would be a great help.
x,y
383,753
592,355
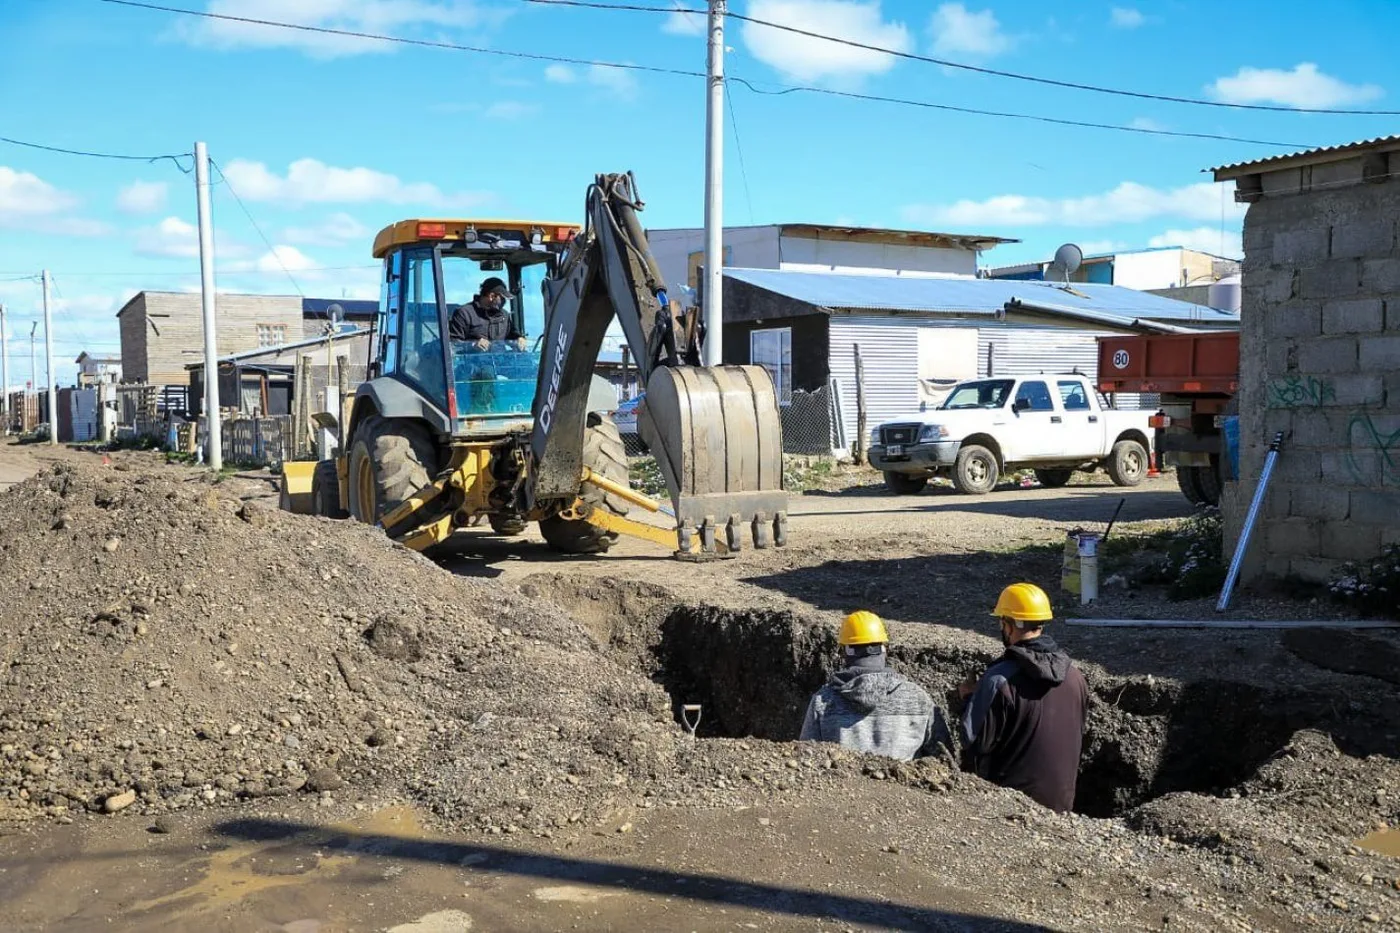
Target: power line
x,y
739,148
103,155
272,251
963,66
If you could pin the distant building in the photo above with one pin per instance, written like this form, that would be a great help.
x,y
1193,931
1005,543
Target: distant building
x,y
822,248
95,370
262,381
1157,270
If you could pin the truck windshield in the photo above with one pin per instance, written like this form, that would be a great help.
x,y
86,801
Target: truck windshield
x,y
990,393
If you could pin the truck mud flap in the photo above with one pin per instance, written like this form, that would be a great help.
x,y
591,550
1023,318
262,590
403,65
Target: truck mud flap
x,y
718,441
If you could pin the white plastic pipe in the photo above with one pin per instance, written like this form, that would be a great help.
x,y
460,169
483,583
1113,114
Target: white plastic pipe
x,y
714,191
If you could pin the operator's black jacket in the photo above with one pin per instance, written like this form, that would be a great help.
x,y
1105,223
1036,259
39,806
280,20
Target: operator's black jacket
x,y
472,322
1024,725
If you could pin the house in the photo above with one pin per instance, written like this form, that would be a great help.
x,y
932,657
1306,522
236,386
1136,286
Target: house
x,y
261,381
680,252
162,332
919,335
1319,357
1157,268
94,370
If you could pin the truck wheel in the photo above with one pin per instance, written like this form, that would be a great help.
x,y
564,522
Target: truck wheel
x,y
1054,479
507,523
604,454
325,491
390,460
1186,481
975,473
1127,464
904,484
1208,479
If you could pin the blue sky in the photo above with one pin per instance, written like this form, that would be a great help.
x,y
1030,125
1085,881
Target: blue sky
x,y
327,139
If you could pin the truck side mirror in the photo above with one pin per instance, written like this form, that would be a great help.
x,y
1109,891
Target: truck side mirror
x,y
1020,405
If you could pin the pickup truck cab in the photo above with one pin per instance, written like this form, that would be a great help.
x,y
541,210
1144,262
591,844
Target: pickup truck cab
x,y
1053,424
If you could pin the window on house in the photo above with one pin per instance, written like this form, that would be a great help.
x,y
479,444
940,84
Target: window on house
x,y
772,349
272,335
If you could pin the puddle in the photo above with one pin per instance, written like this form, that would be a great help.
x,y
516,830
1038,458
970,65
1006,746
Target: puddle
x,y
1384,841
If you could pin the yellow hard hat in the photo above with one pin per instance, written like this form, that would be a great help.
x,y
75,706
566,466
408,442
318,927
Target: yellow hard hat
x,y
863,628
1024,602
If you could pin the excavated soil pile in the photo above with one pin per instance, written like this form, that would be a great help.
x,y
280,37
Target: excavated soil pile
x,y
165,646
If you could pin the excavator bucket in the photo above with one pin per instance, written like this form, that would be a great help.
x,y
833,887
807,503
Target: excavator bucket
x,y
717,438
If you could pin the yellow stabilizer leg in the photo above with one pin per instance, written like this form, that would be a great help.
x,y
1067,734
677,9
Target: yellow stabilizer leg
x,y
666,537
621,491
432,533
295,494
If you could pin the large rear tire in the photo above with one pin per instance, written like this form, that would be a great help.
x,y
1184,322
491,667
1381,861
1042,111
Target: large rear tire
x,y
325,491
1127,463
1208,479
507,524
604,454
1054,478
904,484
390,460
1186,481
976,471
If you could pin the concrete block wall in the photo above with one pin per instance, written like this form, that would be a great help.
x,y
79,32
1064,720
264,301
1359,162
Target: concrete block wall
x,y
1320,362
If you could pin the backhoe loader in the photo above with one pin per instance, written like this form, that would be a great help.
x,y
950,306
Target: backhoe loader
x,y
446,432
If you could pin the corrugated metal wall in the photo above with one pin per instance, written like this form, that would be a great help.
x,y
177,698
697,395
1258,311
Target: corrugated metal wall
x,y
1028,350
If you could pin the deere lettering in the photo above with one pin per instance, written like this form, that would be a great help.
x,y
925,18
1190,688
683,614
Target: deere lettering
x,y
552,399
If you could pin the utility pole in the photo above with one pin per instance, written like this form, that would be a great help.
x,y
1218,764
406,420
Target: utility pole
x,y
48,365
214,453
4,371
714,190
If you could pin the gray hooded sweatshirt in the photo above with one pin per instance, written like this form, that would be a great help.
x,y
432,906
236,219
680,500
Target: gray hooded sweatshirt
x,y
879,712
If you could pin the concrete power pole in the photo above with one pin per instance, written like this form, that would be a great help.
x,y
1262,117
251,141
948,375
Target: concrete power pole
x,y
214,453
4,371
714,190
48,365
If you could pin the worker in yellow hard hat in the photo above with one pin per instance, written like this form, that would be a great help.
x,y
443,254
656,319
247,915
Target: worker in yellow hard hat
x,y
1023,725
867,707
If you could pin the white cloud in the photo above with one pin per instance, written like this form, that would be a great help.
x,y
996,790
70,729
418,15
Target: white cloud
x,y
1129,202
1126,17
1100,247
373,16
143,197
684,24
1147,123
1205,239
172,237
560,74
806,59
28,194
1304,86
313,181
959,31
336,230
285,257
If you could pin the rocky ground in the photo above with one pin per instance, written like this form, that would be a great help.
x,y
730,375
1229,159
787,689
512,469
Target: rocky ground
x,y
176,655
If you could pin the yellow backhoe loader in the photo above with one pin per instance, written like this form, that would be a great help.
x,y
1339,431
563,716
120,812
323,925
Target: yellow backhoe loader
x,y
446,431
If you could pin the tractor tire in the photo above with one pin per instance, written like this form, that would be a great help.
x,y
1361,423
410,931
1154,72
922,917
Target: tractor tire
x,y
975,472
507,524
604,454
904,484
1186,481
1127,463
390,460
1054,479
325,491
1208,479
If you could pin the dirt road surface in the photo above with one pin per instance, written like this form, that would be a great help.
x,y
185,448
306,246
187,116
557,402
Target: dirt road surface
x,y
472,759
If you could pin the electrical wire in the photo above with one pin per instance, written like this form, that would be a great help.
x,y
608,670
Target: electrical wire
x,y
104,155
963,66
739,148
272,251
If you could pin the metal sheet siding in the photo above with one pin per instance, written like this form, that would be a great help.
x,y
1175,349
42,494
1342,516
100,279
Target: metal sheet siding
x,y
1022,350
889,349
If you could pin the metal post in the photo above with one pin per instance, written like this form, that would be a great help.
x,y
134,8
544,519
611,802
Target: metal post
x,y
859,445
214,431
714,190
1253,516
5,369
48,365
33,378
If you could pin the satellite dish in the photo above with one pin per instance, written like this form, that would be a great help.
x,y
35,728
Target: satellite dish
x,y
1067,261
335,316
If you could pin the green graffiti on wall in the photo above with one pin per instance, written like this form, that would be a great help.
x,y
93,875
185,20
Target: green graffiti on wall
x,y
1300,392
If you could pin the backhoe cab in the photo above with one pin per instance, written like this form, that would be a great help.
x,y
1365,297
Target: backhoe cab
x,y
447,432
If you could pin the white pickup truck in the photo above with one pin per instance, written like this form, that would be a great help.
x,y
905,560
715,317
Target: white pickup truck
x,y
1053,424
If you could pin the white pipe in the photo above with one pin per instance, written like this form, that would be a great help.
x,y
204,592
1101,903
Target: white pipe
x,y
214,430
714,190
1233,623
48,365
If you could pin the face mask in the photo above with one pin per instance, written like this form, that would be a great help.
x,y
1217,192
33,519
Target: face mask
x,y
1005,637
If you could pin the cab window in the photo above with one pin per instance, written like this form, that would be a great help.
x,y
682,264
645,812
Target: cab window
x,y
1072,396
421,353
1034,396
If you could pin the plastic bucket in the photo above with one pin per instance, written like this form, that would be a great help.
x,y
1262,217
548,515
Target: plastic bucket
x,y
1078,546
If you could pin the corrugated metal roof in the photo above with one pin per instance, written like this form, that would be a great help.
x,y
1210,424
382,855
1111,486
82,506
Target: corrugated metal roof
x,y
1239,168
347,333
970,297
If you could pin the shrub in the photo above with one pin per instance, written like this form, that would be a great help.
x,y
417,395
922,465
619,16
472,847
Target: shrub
x,y
1194,565
1371,587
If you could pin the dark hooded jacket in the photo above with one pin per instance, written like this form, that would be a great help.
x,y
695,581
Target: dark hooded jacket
x,y
1023,727
880,712
473,322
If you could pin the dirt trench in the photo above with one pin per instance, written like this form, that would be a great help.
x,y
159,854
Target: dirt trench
x,y
753,671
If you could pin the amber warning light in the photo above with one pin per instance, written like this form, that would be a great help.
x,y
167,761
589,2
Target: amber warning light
x,y
432,231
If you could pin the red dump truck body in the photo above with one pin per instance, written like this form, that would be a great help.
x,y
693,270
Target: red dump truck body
x,y
1171,363
1196,376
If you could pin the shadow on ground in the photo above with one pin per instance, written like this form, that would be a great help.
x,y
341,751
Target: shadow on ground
x,y
1087,504
695,887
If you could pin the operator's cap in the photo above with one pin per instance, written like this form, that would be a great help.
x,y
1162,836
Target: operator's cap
x,y
496,286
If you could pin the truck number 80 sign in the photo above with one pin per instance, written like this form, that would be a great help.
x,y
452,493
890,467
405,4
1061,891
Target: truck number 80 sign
x,y
1120,359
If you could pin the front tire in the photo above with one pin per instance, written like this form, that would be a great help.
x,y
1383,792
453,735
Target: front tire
x,y
904,484
976,471
325,491
1127,464
604,454
1054,479
390,460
